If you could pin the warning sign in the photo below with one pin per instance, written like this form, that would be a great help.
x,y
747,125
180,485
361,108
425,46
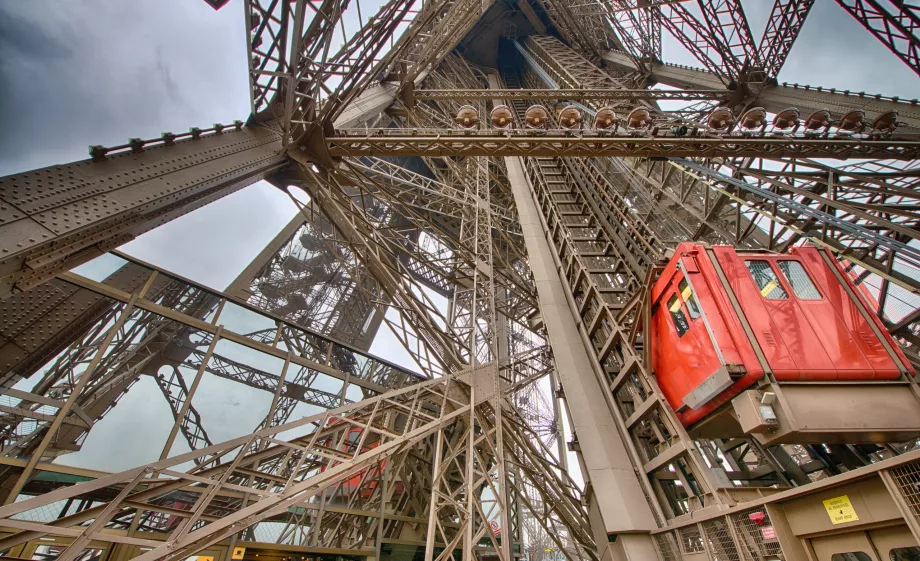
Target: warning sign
x,y
768,533
238,553
840,510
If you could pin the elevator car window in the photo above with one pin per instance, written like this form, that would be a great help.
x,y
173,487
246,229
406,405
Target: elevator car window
x,y
687,294
799,280
766,280
677,314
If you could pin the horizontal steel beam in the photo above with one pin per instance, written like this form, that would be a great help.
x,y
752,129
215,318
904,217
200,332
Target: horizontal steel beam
x,y
444,143
586,94
776,98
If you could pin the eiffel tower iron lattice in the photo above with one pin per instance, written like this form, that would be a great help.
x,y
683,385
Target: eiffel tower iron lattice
x,y
499,184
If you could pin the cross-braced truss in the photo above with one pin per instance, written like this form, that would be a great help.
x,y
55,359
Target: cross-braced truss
x,y
465,239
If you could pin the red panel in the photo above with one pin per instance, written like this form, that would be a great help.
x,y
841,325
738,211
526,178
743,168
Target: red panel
x,y
759,316
867,341
689,359
682,363
841,328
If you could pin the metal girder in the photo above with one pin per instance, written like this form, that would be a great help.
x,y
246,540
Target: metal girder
x,y
305,83
297,278
140,348
313,463
602,94
893,22
311,350
863,228
349,456
223,367
776,98
434,349
570,68
579,24
586,406
726,20
638,31
699,40
293,66
420,201
394,142
783,27
43,321
59,217
434,42
175,391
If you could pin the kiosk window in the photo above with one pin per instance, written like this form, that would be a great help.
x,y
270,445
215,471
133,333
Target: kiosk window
x,y
677,314
766,280
911,553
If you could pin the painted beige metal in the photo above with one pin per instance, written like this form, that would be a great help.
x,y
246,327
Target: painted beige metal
x,y
617,495
58,217
368,105
844,414
775,98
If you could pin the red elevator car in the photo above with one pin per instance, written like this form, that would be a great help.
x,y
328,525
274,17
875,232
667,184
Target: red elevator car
x,y
792,325
347,447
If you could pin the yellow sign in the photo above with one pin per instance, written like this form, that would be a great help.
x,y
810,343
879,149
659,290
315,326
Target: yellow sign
x,y
768,289
238,552
205,558
840,510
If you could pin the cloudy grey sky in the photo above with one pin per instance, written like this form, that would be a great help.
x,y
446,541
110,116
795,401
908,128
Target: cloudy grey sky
x,y
101,71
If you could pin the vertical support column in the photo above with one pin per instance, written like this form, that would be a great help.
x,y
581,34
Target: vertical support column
x,y
433,508
619,507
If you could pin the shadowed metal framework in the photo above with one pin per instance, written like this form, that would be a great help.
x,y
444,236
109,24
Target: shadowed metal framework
x,y
510,256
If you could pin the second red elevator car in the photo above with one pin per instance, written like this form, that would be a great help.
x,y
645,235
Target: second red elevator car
x,y
782,346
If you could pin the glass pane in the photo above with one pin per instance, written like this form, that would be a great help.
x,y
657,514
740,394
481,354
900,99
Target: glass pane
x,y
692,307
52,552
854,556
766,280
246,322
101,267
799,281
911,553
677,314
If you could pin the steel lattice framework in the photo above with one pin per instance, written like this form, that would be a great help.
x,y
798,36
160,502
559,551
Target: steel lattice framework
x,y
510,260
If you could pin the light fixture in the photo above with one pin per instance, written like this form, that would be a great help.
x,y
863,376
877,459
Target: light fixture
x,y
605,119
570,117
638,118
818,121
467,117
786,119
536,117
501,117
720,119
852,122
886,122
